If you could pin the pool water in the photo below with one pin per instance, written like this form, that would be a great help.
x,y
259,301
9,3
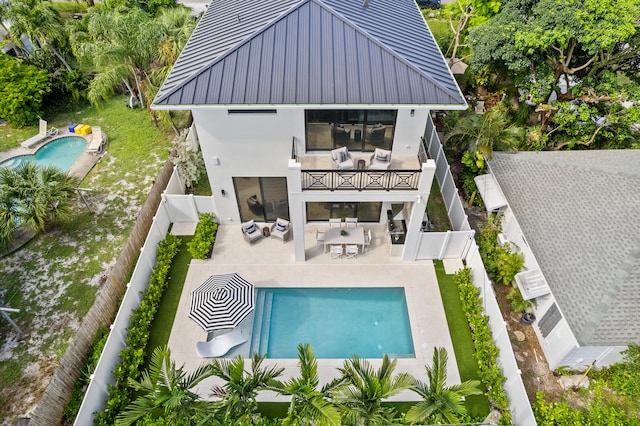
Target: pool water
x,y
337,322
61,153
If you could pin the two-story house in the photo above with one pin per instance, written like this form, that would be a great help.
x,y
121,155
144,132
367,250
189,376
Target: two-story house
x,y
276,87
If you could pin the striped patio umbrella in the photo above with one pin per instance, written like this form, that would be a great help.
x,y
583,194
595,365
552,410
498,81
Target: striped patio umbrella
x,y
222,301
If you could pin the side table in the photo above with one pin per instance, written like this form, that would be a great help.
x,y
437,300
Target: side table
x,y
266,231
361,165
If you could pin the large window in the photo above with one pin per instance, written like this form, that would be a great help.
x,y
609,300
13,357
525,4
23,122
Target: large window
x,y
365,212
262,199
358,130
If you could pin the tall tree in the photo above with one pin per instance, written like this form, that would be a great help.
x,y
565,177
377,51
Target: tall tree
x,y
441,403
165,392
309,405
122,44
39,21
238,394
366,389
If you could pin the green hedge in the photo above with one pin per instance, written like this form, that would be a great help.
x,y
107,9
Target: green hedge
x,y
202,243
132,356
486,350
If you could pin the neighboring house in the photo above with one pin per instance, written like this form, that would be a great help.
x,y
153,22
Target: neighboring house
x,y
575,217
274,89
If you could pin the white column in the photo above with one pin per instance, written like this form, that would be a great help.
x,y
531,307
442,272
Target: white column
x,y
412,239
296,208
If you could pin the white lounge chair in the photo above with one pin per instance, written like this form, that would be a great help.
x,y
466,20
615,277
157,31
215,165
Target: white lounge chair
x,y
342,159
220,345
98,140
42,135
380,160
250,231
281,229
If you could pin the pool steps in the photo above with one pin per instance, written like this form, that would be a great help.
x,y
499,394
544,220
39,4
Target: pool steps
x,y
260,334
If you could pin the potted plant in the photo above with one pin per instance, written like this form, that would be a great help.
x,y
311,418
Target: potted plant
x,y
521,306
344,233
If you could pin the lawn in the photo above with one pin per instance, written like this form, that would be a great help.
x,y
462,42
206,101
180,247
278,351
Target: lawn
x,y
477,405
163,321
53,279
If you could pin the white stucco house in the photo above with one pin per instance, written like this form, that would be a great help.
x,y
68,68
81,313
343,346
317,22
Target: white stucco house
x,y
274,89
574,215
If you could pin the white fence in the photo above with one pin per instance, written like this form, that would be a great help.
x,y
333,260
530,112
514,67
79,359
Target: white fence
x,y
520,407
97,392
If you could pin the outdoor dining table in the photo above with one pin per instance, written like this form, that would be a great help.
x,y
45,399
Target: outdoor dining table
x,y
354,235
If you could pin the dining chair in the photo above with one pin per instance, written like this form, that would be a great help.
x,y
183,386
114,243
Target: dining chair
x,y
351,250
367,239
335,222
350,222
319,237
336,251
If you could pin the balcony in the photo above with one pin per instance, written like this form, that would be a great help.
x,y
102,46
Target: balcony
x,y
318,172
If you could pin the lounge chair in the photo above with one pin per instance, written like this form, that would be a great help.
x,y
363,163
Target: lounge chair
x,y
42,135
281,229
98,140
380,160
342,158
220,345
251,232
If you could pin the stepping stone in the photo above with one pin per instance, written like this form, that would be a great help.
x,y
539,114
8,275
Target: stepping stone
x,y
519,335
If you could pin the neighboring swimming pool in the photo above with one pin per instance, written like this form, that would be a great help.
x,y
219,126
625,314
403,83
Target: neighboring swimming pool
x,y
61,153
337,322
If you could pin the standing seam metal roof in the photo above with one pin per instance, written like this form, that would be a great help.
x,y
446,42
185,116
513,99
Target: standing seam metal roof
x,y
578,211
309,53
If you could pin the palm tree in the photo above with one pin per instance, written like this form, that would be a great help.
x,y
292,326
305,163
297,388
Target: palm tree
x,y
35,196
442,403
309,406
486,132
164,391
39,21
122,44
238,394
366,389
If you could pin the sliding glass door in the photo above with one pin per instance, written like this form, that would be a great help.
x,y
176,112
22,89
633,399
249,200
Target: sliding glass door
x,y
358,130
263,199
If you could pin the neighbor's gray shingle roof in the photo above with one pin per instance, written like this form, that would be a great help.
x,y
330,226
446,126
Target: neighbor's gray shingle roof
x,y
310,52
580,213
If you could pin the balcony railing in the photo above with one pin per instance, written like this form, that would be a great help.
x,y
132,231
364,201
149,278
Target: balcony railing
x,y
360,180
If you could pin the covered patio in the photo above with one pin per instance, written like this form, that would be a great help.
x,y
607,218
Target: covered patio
x,y
271,263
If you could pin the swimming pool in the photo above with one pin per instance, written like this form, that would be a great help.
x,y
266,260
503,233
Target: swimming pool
x,y
61,153
337,322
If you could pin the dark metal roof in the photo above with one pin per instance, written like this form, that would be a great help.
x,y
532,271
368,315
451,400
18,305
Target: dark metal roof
x,y
310,52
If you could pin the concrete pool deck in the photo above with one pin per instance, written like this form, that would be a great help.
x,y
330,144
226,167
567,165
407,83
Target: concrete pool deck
x,y
270,263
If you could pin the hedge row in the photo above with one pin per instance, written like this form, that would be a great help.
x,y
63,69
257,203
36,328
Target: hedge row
x,y
486,350
202,243
132,356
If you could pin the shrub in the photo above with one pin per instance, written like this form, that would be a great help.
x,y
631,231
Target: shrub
x,y
487,352
502,263
22,91
202,243
132,356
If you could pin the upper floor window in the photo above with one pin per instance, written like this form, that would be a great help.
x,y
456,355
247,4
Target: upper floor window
x,y
358,130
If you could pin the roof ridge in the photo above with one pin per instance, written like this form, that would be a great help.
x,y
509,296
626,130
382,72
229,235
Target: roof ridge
x,y
388,49
373,39
230,50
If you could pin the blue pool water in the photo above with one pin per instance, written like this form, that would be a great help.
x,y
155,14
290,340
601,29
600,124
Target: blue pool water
x,y
61,153
337,322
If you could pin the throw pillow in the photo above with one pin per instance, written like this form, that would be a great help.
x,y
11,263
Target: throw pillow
x,y
280,227
343,157
251,228
381,157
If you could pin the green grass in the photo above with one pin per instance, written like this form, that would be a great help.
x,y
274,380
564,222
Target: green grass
x,y
477,405
441,32
59,272
436,210
163,321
